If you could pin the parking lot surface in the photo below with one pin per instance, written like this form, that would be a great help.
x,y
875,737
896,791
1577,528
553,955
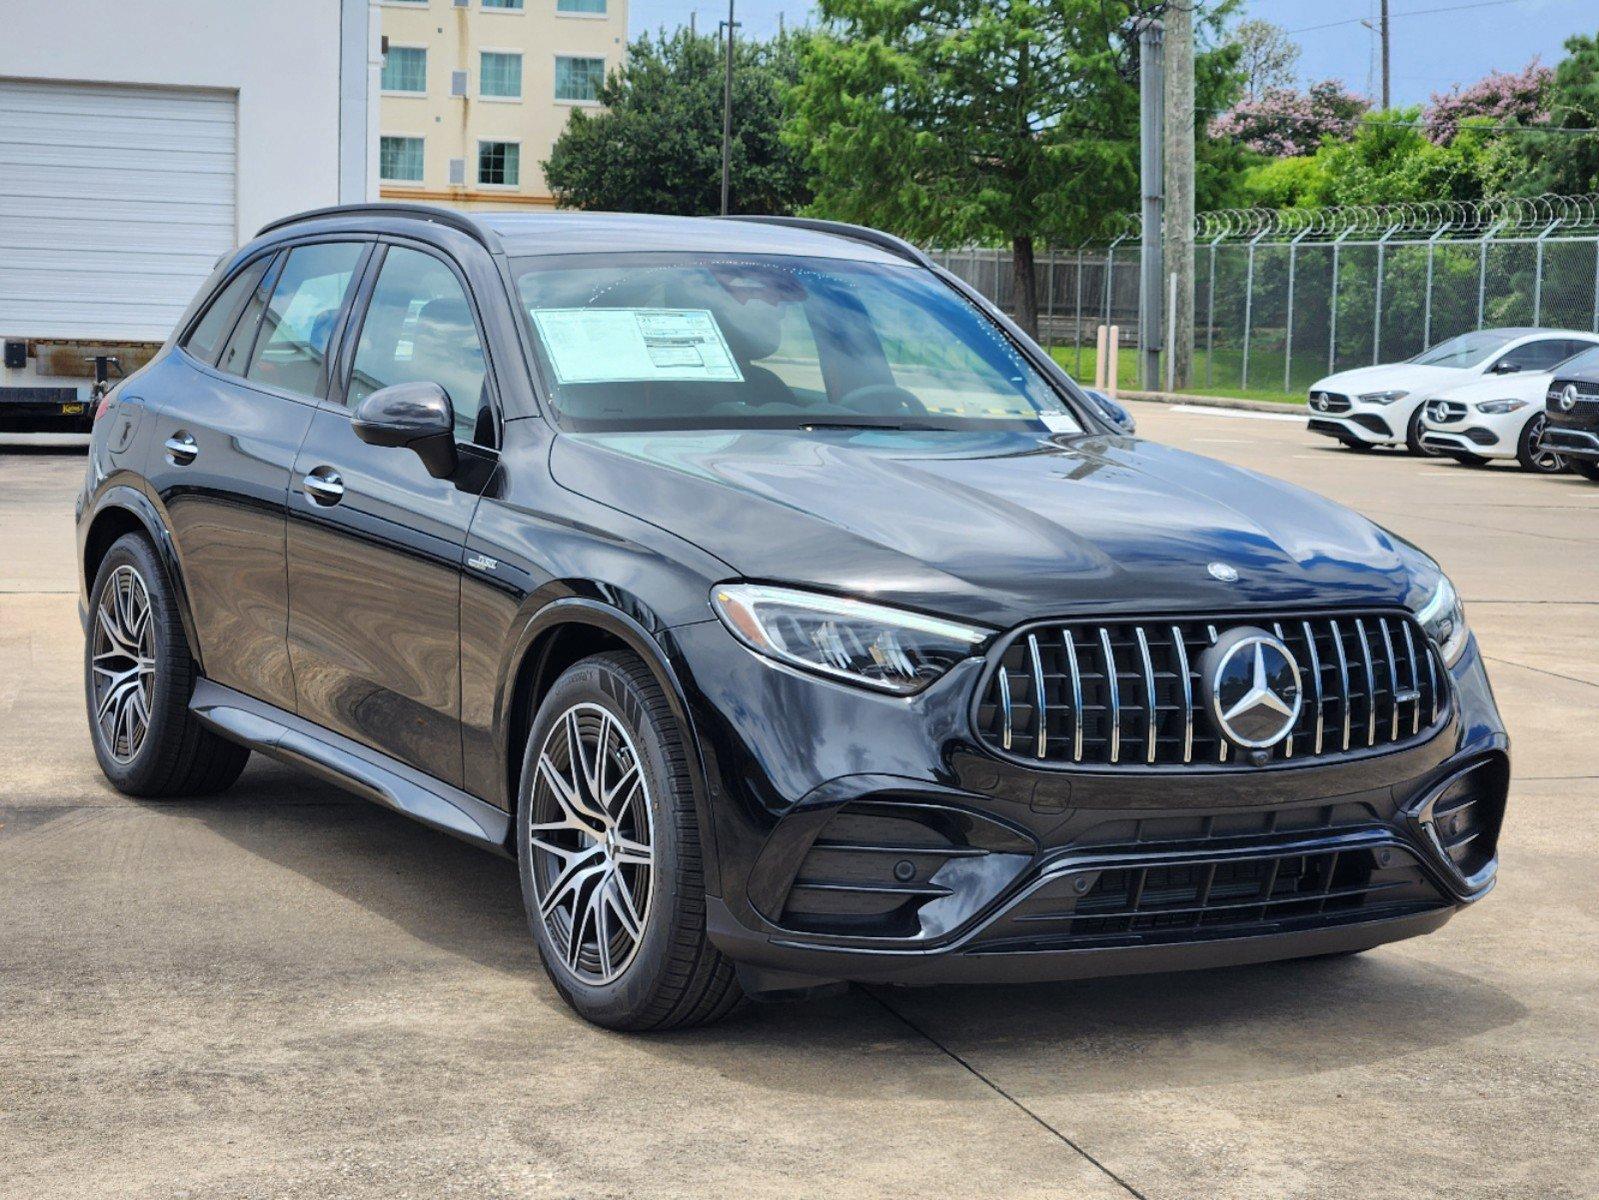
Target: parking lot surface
x,y
286,991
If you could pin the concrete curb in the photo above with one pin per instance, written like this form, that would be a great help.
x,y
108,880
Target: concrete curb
x,y
1270,406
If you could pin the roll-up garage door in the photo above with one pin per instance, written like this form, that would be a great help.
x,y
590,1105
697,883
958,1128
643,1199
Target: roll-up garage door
x,y
114,205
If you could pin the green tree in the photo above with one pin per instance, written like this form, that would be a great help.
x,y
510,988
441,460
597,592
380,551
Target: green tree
x,y
986,120
657,144
1568,163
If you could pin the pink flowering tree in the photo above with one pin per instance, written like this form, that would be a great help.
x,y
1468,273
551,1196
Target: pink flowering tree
x,y
1521,97
1285,123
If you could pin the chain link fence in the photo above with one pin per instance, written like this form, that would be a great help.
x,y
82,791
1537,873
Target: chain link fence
x,y
1282,298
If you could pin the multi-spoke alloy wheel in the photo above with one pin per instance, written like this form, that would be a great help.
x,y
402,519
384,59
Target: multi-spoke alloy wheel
x,y
592,843
124,663
1534,455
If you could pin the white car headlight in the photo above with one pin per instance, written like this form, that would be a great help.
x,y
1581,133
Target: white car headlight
x,y
1501,406
1381,397
1443,618
883,648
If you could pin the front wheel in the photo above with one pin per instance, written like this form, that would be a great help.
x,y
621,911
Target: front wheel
x,y
1413,432
1588,470
1532,454
609,852
138,676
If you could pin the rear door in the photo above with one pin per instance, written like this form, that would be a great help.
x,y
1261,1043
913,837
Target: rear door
x,y
227,421
374,542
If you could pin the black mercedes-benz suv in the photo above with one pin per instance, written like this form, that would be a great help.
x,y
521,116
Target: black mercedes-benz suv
x,y
787,614
1573,414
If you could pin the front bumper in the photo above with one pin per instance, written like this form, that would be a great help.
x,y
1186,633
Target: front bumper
x,y
1367,425
1573,443
1487,435
864,837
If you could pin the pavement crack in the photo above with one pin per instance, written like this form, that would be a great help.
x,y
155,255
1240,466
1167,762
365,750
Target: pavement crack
x,y
1003,1094
1510,662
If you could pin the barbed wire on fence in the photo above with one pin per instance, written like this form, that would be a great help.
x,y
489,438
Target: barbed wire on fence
x,y
1455,219
1283,297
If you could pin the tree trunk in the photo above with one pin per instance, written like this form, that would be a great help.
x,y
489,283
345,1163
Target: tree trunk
x,y
1024,284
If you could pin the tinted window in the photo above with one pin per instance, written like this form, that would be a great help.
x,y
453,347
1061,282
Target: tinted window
x,y
237,352
291,351
419,328
1537,356
206,337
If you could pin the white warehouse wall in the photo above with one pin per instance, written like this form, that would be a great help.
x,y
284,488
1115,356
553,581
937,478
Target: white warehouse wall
x,y
284,59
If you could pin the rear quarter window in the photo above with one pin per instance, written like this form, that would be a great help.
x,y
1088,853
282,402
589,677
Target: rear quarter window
x,y
209,332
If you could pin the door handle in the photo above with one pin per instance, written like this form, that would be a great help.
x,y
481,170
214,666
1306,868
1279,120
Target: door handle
x,y
324,486
182,449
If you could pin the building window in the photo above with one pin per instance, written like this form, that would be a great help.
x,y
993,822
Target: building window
x,y
499,163
400,159
580,6
578,79
405,69
515,5
500,74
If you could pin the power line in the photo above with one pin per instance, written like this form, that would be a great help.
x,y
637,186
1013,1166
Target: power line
x,y
1415,12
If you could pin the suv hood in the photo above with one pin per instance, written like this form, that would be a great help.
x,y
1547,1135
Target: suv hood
x,y
994,527
1412,377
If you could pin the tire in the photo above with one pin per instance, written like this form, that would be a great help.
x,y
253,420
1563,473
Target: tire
x,y
1358,446
138,675
1413,431
1466,458
1530,452
633,870
1588,470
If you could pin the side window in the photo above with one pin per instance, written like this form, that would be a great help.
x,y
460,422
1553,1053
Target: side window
x,y
237,351
1537,356
419,329
206,337
291,352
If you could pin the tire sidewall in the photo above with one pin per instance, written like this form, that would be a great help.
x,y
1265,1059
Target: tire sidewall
x,y
1413,441
135,775
1527,454
595,681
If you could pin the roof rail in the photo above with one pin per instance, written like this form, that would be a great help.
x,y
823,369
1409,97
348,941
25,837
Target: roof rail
x,y
424,212
898,247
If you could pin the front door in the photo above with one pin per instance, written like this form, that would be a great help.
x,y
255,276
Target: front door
x,y
375,542
232,408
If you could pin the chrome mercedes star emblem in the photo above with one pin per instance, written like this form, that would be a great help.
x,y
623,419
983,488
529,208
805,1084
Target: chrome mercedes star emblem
x,y
1568,397
1221,571
1251,688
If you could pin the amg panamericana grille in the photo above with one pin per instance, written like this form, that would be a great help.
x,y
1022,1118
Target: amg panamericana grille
x,y
1128,694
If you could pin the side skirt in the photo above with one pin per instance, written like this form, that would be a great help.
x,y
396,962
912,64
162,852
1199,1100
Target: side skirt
x,y
348,764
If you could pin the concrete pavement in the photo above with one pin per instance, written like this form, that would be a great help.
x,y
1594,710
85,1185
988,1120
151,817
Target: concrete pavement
x,y
288,992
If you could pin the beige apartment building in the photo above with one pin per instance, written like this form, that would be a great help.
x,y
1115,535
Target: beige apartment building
x,y
474,93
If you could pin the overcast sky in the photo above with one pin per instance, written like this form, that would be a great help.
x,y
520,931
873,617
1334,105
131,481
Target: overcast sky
x,y
1431,49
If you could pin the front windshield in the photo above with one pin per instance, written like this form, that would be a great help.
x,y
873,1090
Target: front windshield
x,y
1467,350
696,341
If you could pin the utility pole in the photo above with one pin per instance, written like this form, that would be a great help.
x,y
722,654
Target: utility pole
x,y
727,111
1179,224
1151,145
1383,19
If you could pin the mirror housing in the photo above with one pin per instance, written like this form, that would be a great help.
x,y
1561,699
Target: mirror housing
x,y
1505,367
418,416
1113,411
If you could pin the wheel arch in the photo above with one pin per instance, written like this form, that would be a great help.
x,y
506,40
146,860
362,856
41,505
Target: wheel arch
x,y
565,631
121,510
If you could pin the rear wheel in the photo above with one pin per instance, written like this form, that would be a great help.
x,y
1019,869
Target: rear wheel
x,y
609,852
138,676
1531,452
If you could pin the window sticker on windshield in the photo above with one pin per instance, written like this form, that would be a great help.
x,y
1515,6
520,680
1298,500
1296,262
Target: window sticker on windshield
x,y
636,345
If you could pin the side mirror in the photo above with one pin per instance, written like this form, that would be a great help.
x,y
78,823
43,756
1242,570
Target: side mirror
x,y
418,416
1113,411
1506,367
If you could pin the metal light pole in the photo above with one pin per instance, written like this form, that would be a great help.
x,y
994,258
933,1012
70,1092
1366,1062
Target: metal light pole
x,y
1151,103
727,111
